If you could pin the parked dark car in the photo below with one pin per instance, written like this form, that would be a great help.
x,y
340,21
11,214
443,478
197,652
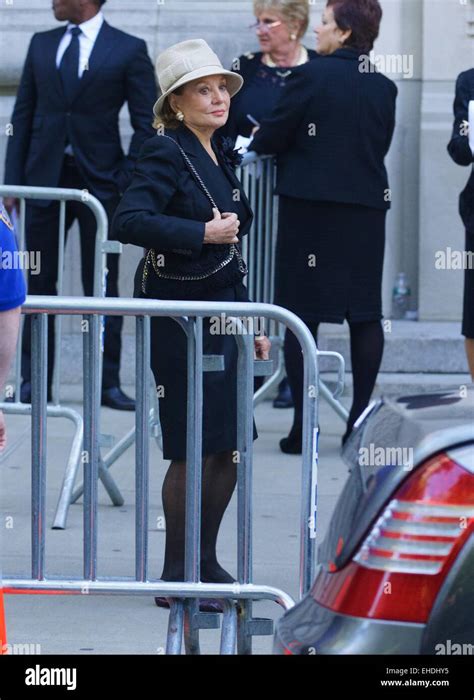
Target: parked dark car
x,y
396,568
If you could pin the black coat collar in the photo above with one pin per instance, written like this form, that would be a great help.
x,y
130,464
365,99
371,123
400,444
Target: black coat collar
x,y
191,145
347,52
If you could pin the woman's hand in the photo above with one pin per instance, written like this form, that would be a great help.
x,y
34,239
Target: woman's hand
x,y
223,228
262,348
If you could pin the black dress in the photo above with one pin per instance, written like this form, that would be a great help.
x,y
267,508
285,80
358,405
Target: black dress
x,y
329,260
168,339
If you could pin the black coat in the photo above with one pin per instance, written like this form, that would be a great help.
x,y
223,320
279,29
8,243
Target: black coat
x,y
459,148
255,99
165,208
331,130
119,71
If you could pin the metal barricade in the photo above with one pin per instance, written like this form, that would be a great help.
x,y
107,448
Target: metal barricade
x,y
239,626
102,247
258,176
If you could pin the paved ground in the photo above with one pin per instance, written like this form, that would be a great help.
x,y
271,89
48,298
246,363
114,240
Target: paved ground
x,y
115,625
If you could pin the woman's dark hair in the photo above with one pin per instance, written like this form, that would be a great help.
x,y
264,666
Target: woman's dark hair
x,y
362,17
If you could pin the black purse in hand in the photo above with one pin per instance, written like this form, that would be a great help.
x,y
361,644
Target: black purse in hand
x,y
189,279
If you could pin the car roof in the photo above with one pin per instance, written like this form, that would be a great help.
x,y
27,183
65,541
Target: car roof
x,y
428,422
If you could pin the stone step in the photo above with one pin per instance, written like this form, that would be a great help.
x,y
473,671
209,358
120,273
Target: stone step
x,y
410,347
390,383
418,349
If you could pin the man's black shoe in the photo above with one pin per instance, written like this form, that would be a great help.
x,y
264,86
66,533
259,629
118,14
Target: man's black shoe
x,y
284,398
115,398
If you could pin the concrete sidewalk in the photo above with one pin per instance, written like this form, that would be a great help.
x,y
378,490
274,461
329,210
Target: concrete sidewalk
x,y
127,624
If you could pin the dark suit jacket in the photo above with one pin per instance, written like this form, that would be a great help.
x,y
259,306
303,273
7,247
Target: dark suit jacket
x,y
164,207
119,71
252,99
459,148
331,130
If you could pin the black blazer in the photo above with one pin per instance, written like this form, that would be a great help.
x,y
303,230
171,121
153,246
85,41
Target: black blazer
x,y
261,102
164,207
119,71
459,148
331,130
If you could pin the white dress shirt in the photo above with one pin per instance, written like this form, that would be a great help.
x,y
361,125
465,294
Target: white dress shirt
x,y
89,32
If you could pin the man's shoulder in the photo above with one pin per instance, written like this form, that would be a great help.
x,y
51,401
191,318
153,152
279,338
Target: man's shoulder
x,y
49,34
466,77
120,35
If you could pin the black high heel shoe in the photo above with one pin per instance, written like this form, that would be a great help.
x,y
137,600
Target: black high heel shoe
x,y
293,443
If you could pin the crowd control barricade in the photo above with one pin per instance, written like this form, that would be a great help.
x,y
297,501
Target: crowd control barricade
x,y
55,409
185,620
258,177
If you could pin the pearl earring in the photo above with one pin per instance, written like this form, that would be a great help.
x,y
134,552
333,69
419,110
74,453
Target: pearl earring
x,y
180,115
293,36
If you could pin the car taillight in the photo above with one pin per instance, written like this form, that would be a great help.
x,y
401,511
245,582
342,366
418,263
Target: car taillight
x,y
406,556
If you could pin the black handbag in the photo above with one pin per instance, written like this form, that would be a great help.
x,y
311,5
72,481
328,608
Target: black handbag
x,y
185,279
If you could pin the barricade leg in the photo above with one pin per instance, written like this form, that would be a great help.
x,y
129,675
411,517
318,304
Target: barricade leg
x,y
3,624
246,370
174,637
39,363
229,628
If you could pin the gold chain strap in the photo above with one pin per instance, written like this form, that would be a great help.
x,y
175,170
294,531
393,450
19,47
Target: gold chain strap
x,y
233,250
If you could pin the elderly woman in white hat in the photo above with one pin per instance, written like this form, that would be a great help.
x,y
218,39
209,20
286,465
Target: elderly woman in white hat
x,y
186,207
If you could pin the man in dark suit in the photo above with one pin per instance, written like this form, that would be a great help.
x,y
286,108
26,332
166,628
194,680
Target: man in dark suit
x,y
460,151
66,134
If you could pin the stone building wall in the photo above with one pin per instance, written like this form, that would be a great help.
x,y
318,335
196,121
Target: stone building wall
x,y
424,44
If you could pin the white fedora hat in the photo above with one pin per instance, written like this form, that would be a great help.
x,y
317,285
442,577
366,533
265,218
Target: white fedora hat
x,y
186,61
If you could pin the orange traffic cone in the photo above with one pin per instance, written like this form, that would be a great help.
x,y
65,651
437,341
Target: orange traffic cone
x,y
3,626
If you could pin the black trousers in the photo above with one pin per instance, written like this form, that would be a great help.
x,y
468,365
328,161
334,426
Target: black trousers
x,y
42,234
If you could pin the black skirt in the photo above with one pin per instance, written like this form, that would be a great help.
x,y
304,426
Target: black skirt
x,y
329,260
169,365
468,314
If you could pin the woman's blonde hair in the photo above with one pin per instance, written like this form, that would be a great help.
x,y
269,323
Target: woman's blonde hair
x,y
168,118
292,11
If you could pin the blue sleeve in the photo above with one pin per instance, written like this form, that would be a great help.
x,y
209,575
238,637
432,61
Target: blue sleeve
x,y
12,283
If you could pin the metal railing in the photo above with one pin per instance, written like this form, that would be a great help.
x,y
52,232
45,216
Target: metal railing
x,y
258,177
103,246
238,625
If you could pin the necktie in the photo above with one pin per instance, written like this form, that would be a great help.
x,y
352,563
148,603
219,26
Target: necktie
x,y
69,66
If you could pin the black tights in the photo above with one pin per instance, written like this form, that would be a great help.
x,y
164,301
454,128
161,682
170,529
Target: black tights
x,y
219,475
367,342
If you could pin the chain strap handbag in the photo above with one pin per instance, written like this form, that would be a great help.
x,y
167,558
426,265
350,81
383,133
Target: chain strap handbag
x,y
233,249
